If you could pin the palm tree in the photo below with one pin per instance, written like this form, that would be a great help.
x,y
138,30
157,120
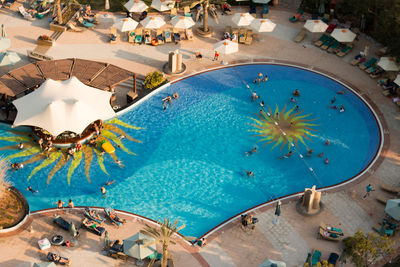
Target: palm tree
x,y
163,235
205,4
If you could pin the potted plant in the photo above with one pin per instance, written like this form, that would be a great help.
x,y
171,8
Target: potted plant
x,y
45,40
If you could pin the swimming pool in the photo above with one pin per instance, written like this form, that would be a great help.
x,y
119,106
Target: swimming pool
x,y
190,162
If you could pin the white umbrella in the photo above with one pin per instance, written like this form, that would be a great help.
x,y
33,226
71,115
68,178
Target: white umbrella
x,y
343,35
8,58
397,80
388,64
126,24
152,22
59,106
242,19
139,246
182,22
393,208
316,25
263,25
270,263
226,47
162,5
135,6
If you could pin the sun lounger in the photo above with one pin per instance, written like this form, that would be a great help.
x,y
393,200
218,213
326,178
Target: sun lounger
x,y
389,188
334,47
61,222
324,234
212,10
321,39
327,43
177,36
138,36
113,35
316,257
368,64
93,227
189,34
388,231
23,12
242,36
371,69
344,51
159,36
330,228
131,37
249,37
355,61
331,27
296,17
57,259
173,13
235,31
116,250
333,258
112,215
300,36
167,36
92,215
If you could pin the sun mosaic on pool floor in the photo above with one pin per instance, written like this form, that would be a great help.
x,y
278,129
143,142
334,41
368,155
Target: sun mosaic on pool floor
x,y
111,133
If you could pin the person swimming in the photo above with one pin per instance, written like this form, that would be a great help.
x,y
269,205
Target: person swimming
x,y
309,152
288,155
296,92
293,100
262,104
29,188
321,155
341,108
327,142
265,78
249,174
109,183
326,161
254,96
175,95
341,92
251,152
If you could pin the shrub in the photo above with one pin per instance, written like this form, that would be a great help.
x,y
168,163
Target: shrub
x,y
154,79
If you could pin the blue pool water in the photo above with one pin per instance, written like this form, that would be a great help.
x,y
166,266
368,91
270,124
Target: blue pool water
x,y
190,163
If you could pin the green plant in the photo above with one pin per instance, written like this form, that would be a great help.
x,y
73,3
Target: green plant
x,y
364,250
153,79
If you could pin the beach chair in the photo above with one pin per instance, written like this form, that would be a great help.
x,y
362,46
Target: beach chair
x,y
389,188
167,36
388,231
371,69
300,36
368,64
212,10
138,36
333,258
57,259
112,215
93,215
173,13
177,36
23,12
235,31
159,36
242,35
249,37
296,17
323,234
344,51
331,229
327,43
113,35
316,257
334,47
383,199
189,34
131,37
186,11
92,227
321,40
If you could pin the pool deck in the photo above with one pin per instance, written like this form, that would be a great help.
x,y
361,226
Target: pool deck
x,y
295,235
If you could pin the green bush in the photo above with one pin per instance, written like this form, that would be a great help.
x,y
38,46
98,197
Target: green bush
x,y
153,80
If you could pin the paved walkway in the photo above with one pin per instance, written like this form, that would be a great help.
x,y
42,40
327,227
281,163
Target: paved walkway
x,y
295,235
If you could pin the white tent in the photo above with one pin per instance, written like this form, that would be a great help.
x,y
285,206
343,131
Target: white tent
x,y
315,25
343,35
153,22
135,6
126,24
59,106
162,5
388,64
263,25
242,19
182,22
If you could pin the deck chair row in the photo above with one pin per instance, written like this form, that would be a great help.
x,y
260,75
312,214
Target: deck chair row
x,y
156,37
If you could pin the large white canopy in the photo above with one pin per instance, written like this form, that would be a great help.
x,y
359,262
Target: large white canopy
x,y
343,35
59,106
153,22
135,6
315,25
263,25
182,22
388,64
126,24
242,19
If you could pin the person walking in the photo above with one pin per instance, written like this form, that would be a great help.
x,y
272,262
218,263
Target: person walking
x,y
369,189
216,55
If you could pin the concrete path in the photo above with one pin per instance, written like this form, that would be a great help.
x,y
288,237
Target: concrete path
x,y
216,256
